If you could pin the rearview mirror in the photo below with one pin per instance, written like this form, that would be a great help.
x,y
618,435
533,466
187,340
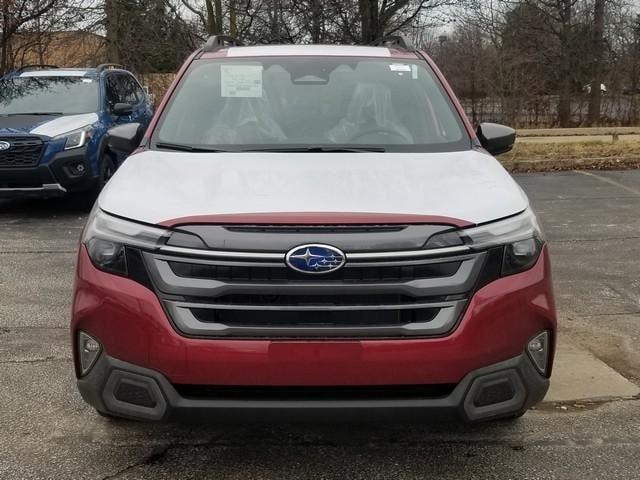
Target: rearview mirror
x,y
122,109
125,138
496,138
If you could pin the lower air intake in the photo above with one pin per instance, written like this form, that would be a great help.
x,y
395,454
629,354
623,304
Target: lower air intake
x,y
135,394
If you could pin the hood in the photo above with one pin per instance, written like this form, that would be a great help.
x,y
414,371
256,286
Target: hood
x,y
46,125
169,188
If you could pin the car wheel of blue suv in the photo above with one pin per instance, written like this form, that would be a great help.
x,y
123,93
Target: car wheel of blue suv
x,y
107,169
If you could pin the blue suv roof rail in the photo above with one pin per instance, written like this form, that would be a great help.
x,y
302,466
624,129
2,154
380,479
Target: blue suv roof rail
x,y
107,66
40,66
217,42
393,41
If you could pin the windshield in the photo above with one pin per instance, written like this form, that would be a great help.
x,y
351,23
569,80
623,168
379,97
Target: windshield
x,y
60,95
279,102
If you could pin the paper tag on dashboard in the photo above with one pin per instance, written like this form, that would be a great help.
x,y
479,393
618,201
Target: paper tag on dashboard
x,y
241,80
399,67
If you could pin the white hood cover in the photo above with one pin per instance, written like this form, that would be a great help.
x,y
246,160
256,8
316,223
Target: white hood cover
x,y
158,186
65,124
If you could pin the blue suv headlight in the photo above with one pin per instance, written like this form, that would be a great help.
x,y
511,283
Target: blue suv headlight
x,y
76,138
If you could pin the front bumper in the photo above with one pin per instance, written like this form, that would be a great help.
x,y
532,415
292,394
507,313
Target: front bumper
x,y
54,178
503,389
128,319
142,345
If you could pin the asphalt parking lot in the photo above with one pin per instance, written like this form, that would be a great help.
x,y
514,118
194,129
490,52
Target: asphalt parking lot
x,y
592,221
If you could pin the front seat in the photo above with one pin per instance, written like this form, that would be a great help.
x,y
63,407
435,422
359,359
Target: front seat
x,y
245,120
370,109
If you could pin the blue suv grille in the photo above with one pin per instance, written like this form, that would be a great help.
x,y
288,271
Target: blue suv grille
x,y
22,152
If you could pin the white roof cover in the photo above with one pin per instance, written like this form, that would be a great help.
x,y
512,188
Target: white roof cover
x,y
54,73
308,50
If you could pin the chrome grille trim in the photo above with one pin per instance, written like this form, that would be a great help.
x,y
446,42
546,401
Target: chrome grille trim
x,y
216,261
315,308
358,256
410,253
195,252
280,264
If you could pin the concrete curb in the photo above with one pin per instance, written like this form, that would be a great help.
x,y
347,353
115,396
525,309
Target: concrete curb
x,y
553,165
579,131
579,375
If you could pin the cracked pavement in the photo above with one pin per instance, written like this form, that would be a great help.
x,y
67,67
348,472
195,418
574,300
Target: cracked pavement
x,y
592,220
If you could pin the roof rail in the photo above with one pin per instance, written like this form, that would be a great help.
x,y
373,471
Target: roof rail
x,y
216,42
26,68
393,41
107,66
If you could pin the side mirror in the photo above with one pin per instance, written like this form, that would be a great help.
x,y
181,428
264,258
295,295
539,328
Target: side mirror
x,y
125,138
495,138
122,109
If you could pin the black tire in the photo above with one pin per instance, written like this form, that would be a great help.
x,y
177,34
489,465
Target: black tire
x,y
107,168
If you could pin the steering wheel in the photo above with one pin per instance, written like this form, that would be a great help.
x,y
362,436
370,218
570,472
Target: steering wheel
x,y
372,131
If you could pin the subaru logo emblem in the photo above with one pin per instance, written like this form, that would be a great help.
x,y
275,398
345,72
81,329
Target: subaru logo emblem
x,y
4,146
315,258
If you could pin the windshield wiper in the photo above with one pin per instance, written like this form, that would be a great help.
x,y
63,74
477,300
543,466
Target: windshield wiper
x,y
318,148
187,148
31,113
312,148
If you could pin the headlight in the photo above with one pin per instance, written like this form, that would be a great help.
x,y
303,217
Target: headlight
x,y
106,238
76,138
520,235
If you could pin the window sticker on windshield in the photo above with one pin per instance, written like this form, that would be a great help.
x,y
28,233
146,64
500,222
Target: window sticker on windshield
x,y
87,80
241,80
399,67
414,72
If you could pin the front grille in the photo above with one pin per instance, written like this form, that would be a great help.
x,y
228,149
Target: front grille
x,y
350,273
23,152
378,293
382,392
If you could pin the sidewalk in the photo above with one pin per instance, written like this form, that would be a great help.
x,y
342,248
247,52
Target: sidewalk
x,y
579,375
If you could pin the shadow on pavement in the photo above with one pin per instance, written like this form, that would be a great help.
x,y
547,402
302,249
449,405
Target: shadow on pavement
x,y
35,208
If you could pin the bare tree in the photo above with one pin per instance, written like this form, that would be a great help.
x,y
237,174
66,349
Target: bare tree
x,y
595,96
15,15
147,35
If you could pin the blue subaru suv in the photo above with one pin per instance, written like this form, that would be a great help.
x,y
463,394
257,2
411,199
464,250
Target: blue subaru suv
x,y
54,126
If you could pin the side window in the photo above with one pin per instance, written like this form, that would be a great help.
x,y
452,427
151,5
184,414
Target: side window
x,y
122,88
113,90
130,90
142,96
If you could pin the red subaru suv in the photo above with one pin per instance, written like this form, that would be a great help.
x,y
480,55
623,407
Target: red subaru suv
x,y
310,230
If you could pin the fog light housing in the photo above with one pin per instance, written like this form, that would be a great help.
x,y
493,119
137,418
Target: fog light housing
x,y
77,168
88,351
538,350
